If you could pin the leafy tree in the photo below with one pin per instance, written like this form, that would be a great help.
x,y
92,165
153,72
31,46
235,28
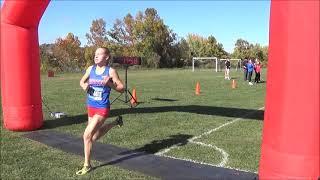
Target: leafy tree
x,y
197,45
89,55
265,55
123,37
68,53
181,53
244,50
98,34
47,58
212,47
145,35
156,37
202,47
221,53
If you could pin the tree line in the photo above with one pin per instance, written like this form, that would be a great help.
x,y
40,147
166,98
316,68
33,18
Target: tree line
x,y
145,35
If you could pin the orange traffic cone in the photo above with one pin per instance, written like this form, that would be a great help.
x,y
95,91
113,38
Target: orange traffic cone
x,y
134,99
198,88
234,84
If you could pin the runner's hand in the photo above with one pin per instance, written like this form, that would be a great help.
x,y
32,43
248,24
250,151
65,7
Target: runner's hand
x,y
107,81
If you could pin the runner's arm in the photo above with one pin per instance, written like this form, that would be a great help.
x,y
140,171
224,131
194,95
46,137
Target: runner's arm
x,y
116,82
84,80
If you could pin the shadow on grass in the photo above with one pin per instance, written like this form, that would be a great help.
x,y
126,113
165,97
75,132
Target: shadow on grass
x,y
151,148
196,109
164,99
65,121
157,145
262,81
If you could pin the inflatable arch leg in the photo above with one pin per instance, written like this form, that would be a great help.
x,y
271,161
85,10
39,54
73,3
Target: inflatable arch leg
x,y
290,145
20,66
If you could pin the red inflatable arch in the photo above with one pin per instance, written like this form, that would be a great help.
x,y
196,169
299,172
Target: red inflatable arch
x,y
290,145
20,72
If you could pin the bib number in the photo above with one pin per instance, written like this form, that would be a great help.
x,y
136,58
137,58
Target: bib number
x,y
97,94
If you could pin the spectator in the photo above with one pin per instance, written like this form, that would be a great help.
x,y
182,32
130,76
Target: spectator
x,y
227,70
257,69
244,65
249,71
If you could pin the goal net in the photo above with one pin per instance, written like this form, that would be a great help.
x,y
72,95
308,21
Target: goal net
x,y
205,63
235,64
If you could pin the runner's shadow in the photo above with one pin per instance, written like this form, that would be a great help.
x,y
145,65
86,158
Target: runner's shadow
x,y
148,149
157,145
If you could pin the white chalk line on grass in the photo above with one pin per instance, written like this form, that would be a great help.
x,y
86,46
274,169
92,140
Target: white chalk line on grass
x,y
225,155
203,163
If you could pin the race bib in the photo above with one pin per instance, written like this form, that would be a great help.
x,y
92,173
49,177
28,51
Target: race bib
x,y
97,94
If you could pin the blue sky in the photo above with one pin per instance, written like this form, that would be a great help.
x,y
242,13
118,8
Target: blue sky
x,y
225,20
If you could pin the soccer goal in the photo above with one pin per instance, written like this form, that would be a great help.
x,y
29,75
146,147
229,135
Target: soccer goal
x,y
207,62
235,64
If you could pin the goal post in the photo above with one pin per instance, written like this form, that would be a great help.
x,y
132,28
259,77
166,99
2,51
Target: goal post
x,y
214,61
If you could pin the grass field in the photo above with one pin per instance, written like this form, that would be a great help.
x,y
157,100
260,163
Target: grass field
x,y
169,115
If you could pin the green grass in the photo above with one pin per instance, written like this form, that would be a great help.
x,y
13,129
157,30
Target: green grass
x,y
169,114
24,159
